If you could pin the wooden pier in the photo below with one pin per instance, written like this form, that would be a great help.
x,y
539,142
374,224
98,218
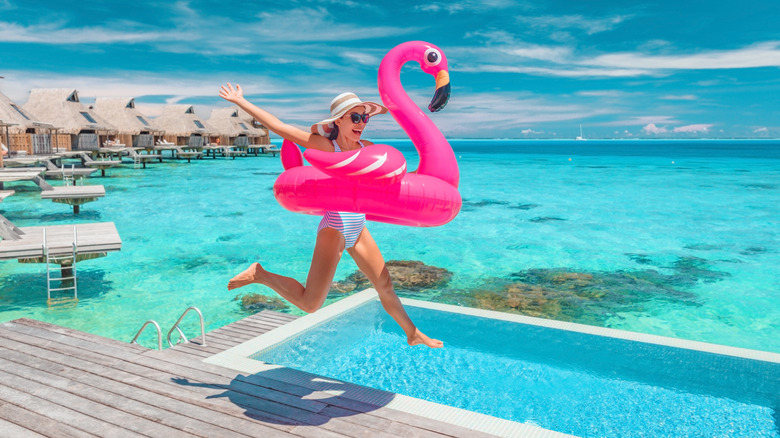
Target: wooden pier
x,y
27,243
74,196
5,193
60,382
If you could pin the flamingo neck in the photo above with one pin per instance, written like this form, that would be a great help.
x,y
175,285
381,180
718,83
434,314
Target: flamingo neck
x,y
436,156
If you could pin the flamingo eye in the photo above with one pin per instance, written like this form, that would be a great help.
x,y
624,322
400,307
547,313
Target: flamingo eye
x,y
432,57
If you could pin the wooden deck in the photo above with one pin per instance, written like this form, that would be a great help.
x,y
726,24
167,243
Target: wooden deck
x,y
93,238
74,192
60,382
13,174
5,193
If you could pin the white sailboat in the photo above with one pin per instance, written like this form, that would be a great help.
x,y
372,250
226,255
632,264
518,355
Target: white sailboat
x,y
580,137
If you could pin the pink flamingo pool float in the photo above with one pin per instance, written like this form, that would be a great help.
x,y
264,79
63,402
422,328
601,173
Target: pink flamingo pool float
x,y
374,180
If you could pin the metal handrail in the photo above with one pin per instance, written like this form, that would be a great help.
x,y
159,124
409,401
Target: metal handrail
x,y
183,338
159,333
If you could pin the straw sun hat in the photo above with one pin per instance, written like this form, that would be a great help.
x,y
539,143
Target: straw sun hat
x,y
339,106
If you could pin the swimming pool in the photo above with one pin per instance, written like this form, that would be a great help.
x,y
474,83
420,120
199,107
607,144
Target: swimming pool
x,y
564,377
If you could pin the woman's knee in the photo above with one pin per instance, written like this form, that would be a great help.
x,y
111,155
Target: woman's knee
x,y
383,282
313,299
311,306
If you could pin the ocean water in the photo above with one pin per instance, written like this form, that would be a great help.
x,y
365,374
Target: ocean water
x,y
676,238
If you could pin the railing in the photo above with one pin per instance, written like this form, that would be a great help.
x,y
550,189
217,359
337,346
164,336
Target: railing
x,y
182,338
159,333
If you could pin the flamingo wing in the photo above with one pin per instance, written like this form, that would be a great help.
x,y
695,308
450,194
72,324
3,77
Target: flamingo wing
x,y
376,164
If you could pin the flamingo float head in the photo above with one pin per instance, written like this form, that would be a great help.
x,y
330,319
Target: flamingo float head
x,y
433,62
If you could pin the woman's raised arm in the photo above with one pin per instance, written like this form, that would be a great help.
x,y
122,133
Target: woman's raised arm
x,y
270,121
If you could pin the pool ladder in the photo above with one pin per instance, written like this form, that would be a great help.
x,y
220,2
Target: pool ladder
x,y
66,271
182,339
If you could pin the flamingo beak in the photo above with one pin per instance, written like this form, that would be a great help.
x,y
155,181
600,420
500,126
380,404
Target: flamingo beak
x,y
442,94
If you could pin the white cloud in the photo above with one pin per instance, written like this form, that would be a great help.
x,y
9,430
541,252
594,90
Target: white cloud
x,y
530,132
765,54
701,127
681,97
361,58
317,25
643,120
579,22
504,54
602,93
577,72
137,84
652,129
454,7
58,33
762,130
553,54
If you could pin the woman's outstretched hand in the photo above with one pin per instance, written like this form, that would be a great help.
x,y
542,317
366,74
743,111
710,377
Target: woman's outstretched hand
x,y
231,94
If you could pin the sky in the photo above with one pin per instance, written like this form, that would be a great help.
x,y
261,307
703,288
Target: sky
x,y
518,69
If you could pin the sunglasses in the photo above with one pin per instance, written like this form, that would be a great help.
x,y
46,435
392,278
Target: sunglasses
x,y
356,118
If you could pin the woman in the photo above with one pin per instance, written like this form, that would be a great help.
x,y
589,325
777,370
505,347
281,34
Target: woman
x,y
338,230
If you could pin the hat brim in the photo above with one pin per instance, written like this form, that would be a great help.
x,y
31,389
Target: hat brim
x,y
325,127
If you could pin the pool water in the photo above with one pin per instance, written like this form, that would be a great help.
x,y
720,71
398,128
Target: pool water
x,y
566,381
670,238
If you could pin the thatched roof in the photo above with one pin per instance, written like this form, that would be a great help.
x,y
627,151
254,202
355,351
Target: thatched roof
x,y
228,122
13,114
243,115
181,121
121,112
61,107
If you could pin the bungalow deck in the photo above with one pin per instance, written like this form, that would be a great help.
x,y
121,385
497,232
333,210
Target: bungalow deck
x,y
56,381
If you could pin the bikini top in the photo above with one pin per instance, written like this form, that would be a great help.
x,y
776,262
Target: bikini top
x,y
338,149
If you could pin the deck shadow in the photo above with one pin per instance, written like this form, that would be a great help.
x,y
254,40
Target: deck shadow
x,y
268,396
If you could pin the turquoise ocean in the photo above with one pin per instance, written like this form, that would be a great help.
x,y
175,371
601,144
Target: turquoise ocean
x,y
674,238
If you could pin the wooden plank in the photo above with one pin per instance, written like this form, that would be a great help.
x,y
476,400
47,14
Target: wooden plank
x,y
93,402
75,192
358,409
146,379
92,238
97,345
253,327
38,423
256,407
268,400
162,410
78,334
60,413
8,429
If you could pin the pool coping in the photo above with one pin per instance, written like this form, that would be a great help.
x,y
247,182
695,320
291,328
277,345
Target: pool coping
x,y
238,358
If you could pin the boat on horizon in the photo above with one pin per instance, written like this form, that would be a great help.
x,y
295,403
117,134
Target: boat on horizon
x,y
580,137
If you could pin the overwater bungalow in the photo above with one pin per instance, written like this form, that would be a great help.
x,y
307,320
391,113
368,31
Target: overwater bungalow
x,y
184,128
87,130
22,132
235,130
264,139
133,128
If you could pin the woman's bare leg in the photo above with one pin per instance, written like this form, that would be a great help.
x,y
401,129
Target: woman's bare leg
x,y
369,260
327,253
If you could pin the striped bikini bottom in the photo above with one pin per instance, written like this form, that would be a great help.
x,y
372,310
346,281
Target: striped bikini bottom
x,y
348,224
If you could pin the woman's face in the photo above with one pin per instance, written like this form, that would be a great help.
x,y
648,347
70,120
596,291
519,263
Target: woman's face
x,y
352,123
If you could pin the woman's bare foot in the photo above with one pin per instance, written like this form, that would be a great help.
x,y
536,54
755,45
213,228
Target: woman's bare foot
x,y
420,338
251,275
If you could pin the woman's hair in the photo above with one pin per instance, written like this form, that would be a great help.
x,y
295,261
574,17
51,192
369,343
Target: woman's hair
x,y
335,133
